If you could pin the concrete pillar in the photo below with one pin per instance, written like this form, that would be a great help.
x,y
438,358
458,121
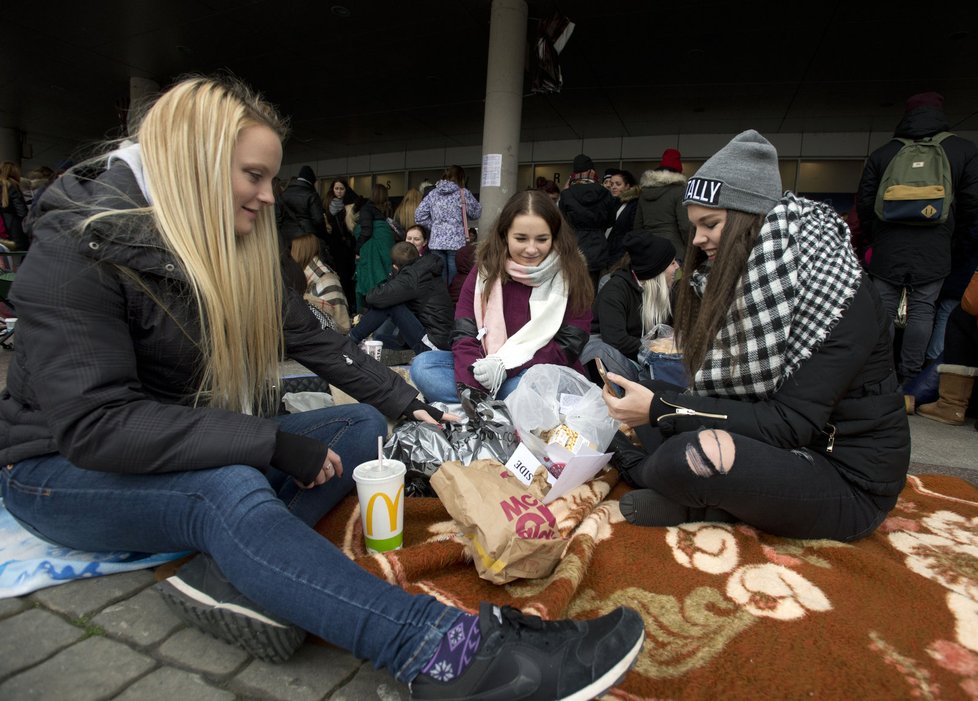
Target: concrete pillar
x,y
504,107
10,145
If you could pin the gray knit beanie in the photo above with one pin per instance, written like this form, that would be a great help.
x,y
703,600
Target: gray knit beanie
x,y
743,175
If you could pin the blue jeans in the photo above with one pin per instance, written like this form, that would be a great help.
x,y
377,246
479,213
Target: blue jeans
x,y
936,344
433,373
404,320
613,359
448,257
256,527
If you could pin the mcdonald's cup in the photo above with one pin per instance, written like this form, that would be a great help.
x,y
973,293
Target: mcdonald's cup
x,y
381,495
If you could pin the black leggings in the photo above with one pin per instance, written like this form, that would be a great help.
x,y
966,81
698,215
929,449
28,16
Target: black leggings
x,y
792,493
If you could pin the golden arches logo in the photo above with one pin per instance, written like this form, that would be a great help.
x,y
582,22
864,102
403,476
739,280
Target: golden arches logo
x,y
391,509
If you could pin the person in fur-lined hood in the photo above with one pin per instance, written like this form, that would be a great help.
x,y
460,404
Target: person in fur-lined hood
x,y
660,204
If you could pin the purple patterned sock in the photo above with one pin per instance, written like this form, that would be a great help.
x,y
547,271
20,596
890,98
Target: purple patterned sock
x,y
456,649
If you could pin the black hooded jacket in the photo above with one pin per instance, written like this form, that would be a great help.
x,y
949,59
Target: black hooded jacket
x,y
107,360
915,255
590,209
422,288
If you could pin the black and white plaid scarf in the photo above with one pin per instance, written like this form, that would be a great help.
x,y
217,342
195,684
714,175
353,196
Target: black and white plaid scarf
x,y
800,277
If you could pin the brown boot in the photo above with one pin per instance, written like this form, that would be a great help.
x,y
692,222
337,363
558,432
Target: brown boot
x,y
956,384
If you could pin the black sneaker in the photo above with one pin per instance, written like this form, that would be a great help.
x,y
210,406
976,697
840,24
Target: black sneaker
x,y
525,657
200,595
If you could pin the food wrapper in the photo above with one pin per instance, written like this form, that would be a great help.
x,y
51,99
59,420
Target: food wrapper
x,y
511,533
486,432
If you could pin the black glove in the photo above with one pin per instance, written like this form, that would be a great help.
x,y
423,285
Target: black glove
x,y
417,404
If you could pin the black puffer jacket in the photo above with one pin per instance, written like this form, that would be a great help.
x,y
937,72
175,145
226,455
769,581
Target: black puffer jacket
x,y
105,376
618,313
847,389
916,255
422,288
299,211
590,209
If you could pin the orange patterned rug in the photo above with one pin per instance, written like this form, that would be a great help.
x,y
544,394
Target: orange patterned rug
x,y
733,613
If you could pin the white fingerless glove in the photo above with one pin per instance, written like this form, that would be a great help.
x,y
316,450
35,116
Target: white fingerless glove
x,y
490,372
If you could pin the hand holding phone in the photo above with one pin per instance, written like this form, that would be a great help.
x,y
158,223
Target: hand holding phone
x,y
615,389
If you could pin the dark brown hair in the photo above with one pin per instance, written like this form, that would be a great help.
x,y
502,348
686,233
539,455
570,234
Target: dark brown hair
x,y
454,173
494,249
698,321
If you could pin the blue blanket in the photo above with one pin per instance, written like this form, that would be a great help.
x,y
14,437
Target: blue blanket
x,y
28,563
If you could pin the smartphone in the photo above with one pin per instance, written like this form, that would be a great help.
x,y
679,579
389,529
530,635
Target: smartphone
x,y
615,389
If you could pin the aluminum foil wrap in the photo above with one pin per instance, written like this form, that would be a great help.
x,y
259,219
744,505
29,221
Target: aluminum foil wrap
x,y
485,432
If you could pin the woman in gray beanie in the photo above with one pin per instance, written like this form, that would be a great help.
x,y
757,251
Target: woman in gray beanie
x,y
794,423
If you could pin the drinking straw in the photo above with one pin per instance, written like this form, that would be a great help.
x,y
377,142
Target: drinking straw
x,y
380,452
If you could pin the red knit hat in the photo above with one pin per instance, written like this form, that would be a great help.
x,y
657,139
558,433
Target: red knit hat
x,y
925,99
672,160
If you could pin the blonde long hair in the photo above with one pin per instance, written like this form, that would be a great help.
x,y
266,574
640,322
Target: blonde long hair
x,y
9,177
187,139
404,214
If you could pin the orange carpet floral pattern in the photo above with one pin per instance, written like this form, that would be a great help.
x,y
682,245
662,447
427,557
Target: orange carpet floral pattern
x,y
731,612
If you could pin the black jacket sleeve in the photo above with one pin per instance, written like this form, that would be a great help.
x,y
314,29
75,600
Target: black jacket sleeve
x,y
401,288
798,412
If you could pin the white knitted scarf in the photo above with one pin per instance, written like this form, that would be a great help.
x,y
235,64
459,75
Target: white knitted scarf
x,y
548,302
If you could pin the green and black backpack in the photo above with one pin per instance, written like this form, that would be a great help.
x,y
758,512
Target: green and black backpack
x,y
916,185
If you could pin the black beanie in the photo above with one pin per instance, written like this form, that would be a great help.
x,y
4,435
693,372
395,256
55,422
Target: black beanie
x,y
582,164
650,254
306,173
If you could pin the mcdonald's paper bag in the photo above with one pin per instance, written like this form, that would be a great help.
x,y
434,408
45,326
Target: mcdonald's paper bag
x,y
511,533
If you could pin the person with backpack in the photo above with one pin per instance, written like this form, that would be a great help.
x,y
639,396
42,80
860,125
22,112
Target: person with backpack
x,y
912,238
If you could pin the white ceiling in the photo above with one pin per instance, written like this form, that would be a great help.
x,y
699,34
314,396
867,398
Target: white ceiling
x,y
405,75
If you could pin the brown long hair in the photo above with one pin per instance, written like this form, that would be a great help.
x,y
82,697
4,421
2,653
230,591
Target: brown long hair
x,y
698,321
493,249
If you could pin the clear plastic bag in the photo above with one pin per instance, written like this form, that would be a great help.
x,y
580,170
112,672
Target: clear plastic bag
x,y
550,395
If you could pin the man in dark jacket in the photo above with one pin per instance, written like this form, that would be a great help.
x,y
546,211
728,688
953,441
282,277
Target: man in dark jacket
x,y
415,298
917,258
590,209
299,210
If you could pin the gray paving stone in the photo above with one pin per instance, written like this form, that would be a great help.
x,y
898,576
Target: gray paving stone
x,y
95,668
84,597
202,653
169,683
370,683
142,620
310,675
16,604
32,636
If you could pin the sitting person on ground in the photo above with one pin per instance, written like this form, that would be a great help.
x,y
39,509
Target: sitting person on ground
x,y
660,202
960,366
528,302
139,416
374,240
322,289
636,299
417,235
415,299
795,423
